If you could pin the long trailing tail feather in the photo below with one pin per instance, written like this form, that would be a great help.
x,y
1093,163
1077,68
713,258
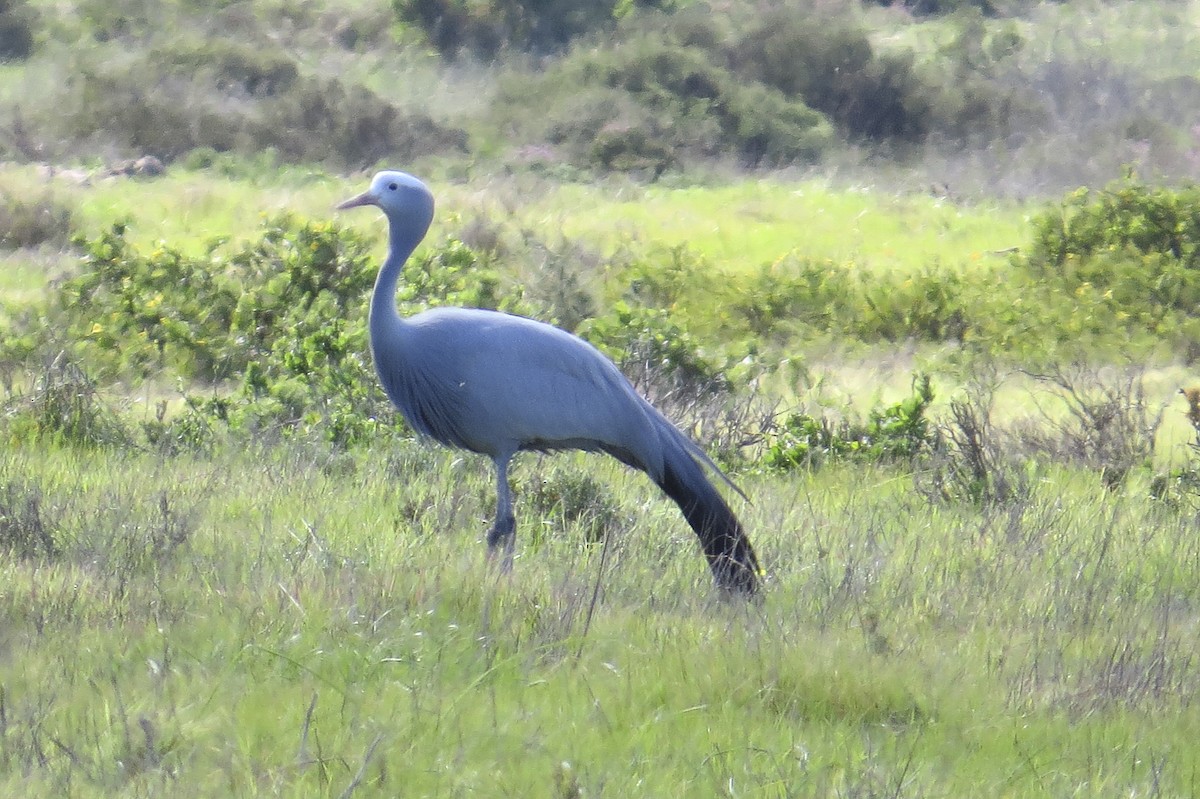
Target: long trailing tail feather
x,y
728,550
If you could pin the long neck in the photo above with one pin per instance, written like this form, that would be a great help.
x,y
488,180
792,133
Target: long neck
x,y
404,236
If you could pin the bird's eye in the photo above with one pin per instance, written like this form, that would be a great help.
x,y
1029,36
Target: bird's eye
x,y
392,187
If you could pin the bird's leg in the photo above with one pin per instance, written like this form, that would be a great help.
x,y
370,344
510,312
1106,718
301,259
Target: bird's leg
x,y
501,537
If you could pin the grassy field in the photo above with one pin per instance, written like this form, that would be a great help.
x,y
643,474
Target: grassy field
x,y
193,608
295,623
744,223
287,618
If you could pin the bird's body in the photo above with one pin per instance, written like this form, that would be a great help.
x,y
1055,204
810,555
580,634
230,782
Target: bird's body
x,y
496,384
475,352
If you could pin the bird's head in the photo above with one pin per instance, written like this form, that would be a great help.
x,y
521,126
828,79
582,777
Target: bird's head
x,y
403,198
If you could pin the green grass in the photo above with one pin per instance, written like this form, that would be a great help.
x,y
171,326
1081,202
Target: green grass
x,y
743,224
282,619
750,223
322,624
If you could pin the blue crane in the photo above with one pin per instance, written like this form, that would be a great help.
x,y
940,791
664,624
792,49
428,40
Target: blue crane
x,y
496,384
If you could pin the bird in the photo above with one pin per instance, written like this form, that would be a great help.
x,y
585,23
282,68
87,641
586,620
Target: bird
x,y
497,384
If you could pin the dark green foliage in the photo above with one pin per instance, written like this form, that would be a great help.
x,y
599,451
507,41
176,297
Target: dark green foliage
x,y
643,102
827,62
30,221
767,86
231,97
17,22
456,275
932,7
484,29
233,67
891,434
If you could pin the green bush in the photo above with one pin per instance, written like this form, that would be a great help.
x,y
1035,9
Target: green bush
x,y
232,97
792,295
577,498
1128,215
1129,252
281,322
17,23
64,407
827,62
658,355
932,7
456,275
644,101
891,434
284,315
484,28
796,293
38,219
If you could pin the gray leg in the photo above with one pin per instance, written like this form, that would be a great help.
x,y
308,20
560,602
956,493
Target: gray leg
x,y
501,537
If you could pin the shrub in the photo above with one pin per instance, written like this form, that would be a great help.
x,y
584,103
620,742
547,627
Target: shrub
x,y
827,62
1110,425
28,222
17,22
456,275
659,356
576,498
1131,249
974,461
285,315
894,433
795,292
483,29
1127,215
64,407
935,304
932,7
24,530
233,97
643,102
283,318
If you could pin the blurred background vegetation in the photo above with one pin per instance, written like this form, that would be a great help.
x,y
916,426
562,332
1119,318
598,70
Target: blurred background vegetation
x,y
923,275
1062,136
1022,98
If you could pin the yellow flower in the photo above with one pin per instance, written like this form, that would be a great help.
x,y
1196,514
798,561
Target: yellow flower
x,y
96,328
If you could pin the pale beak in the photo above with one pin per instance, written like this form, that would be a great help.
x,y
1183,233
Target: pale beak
x,y
366,198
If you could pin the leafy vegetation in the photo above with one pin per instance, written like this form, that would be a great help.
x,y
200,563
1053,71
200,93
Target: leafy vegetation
x,y
647,88
897,433
230,570
28,222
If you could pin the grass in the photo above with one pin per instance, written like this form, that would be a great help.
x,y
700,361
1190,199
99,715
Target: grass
x,y
743,224
325,625
287,619
754,222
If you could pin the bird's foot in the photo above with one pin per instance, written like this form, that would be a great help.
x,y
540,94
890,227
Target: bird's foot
x,y
500,541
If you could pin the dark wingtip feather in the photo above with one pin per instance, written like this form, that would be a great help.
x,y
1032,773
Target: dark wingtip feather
x,y
726,546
